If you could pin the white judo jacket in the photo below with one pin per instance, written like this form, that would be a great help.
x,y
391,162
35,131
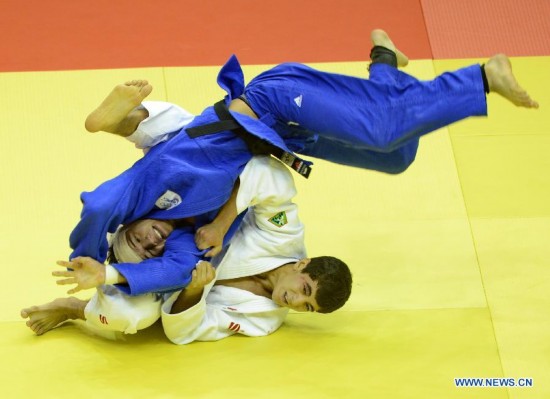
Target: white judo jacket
x,y
270,236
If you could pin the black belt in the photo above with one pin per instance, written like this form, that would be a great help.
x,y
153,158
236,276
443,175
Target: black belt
x,y
256,145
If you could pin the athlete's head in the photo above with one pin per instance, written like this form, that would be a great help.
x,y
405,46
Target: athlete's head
x,y
139,240
321,284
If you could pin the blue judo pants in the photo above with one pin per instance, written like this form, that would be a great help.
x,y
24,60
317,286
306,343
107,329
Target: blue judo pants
x,y
370,123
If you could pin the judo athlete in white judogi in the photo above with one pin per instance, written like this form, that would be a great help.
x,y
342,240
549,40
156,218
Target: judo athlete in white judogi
x,y
262,274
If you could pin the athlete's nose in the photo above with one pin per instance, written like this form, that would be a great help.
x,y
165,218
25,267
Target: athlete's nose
x,y
151,241
295,299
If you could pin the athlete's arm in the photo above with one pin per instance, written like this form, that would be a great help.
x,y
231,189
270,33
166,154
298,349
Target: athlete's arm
x,y
212,234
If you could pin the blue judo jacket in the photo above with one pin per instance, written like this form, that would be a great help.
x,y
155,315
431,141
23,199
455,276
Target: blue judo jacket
x,y
179,178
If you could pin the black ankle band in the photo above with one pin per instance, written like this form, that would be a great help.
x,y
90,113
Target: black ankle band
x,y
383,55
484,77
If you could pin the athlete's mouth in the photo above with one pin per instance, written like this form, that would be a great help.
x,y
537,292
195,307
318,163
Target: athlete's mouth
x,y
158,233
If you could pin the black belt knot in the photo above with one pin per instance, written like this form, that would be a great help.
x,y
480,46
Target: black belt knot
x,y
256,145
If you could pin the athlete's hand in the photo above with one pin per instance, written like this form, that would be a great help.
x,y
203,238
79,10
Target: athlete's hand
x,y
210,236
203,274
86,273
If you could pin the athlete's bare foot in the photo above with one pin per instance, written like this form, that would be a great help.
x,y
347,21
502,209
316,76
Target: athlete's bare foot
x,y
381,38
112,112
45,317
502,81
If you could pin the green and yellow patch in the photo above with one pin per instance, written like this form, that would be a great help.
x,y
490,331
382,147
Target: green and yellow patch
x,y
279,219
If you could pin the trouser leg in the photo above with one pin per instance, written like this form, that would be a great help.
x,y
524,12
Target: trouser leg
x,y
380,114
316,146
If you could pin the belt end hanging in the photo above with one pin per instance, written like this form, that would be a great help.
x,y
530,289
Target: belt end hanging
x,y
296,164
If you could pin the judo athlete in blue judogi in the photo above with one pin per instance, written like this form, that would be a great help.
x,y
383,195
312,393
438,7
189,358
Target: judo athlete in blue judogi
x,y
370,123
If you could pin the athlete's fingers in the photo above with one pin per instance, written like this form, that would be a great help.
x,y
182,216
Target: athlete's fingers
x,y
74,290
202,243
67,281
208,272
72,264
205,263
202,270
211,273
63,263
213,252
66,273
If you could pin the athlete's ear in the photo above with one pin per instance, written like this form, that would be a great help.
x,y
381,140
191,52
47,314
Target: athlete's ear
x,y
301,264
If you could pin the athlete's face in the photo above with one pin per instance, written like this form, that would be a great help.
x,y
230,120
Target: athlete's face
x,y
296,290
147,237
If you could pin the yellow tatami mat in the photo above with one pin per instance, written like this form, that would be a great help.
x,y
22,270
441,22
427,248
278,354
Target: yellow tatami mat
x,y
450,259
513,257
397,354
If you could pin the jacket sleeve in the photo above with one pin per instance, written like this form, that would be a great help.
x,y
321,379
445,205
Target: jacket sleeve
x,y
103,210
164,121
207,321
265,182
168,273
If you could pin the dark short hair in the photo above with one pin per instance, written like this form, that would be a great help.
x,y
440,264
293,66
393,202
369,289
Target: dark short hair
x,y
111,257
333,281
